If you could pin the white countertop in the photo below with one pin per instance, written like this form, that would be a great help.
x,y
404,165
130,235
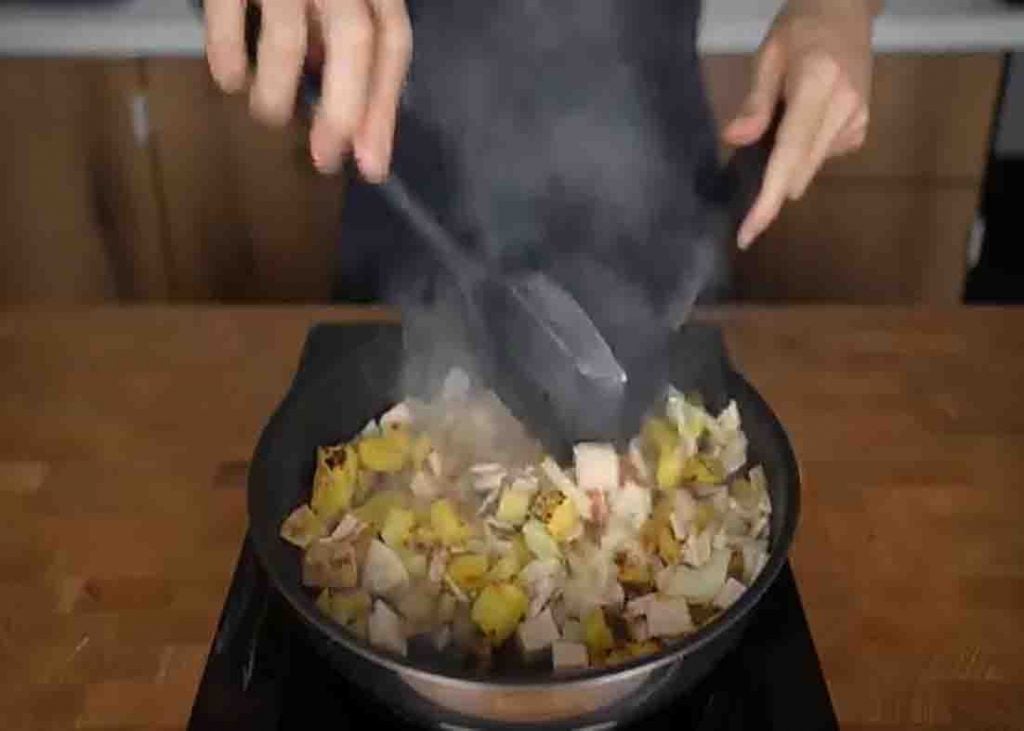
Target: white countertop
x,y
172,27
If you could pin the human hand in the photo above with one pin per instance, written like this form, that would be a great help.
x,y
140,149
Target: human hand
x,y
367,47
817,60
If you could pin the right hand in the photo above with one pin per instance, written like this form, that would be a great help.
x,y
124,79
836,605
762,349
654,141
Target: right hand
x,y
367,45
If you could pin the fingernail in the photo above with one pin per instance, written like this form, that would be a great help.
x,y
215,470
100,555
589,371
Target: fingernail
x,y
327,163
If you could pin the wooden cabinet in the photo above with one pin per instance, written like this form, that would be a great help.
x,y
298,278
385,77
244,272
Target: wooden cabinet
x,y
79,212
246,216
889,224
137,180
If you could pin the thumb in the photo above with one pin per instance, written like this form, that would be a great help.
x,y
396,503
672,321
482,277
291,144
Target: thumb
x,y
756,113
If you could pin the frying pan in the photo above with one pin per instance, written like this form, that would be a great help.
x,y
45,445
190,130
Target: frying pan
x,y
354,375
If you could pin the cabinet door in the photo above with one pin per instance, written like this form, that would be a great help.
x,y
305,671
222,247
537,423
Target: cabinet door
x,y
891,223
78,205
246,216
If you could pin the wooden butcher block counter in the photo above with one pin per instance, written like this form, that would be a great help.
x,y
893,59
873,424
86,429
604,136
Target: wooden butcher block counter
x,y
125,434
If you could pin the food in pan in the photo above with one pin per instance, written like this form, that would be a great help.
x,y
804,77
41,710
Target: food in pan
x,y
443,523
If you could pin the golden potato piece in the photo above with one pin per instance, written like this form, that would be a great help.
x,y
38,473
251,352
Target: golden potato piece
x,y
303,527
388,452
334,481
330,564
497,611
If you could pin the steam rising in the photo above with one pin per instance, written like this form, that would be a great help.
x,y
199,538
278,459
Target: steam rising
x,y
574,136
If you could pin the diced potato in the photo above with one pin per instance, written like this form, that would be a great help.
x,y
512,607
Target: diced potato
x,y
703,469
565,521
375,510
334,481
366,482
445,520
513,507
668,547
661,435
670,469
397,526
560,481
388,452
345,607
331,564
597,466
566,655
415,563
497,611
468,571
505,568
539,540
424,536
635,572
703,515
303,527
521,550
596,634
744,494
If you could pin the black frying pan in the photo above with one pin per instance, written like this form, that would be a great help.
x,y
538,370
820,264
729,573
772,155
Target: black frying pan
x,y
351,374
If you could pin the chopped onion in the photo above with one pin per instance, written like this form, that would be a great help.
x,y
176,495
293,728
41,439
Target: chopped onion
x,y
699,585
731,591
383,570
537,633
668,617
566,655
386,629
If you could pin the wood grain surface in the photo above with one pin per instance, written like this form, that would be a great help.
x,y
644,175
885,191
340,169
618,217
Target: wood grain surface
x,y
125,433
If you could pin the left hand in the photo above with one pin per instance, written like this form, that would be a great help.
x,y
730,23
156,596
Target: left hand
x,y
817,59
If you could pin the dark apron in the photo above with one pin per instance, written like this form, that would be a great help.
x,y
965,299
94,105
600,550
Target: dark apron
x,y
545,131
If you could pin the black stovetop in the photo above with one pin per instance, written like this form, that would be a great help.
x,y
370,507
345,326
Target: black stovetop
x,y
264,674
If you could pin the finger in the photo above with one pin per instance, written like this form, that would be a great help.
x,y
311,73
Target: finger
x,y
841,110
806,106
852,136
282,48
225,42
393,51
756,113
348,46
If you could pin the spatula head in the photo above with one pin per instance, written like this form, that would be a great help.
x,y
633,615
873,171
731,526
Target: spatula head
x,y
551,359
